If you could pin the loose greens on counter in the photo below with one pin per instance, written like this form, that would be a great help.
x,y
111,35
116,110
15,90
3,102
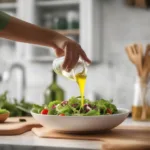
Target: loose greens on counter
x,y
15,107
72,107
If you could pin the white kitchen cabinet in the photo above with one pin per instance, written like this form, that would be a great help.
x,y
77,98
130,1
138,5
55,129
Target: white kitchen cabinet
x,y
89,32
8,51
90,28
8,6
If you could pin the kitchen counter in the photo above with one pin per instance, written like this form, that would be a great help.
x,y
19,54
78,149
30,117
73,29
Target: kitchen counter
x,y
30,141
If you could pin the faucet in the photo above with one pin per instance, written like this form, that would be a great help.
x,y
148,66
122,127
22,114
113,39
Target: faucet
x,y
6,75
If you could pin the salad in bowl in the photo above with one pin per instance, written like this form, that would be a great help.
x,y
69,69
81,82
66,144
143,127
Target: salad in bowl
x,y
69,116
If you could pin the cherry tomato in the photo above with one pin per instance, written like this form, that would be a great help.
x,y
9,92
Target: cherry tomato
x,y
44,111
109,111
61,114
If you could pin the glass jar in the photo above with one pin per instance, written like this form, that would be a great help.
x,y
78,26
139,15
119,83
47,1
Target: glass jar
x,y
80,68
60,22
73,20
48,20
141,103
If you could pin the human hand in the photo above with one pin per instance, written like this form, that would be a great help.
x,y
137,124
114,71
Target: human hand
x,y
71,50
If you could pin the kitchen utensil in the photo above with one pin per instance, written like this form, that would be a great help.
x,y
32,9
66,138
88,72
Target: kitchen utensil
x,y
138,48
81,123
142,63
144,80
3,117
120,138
146,63
135,55
12,126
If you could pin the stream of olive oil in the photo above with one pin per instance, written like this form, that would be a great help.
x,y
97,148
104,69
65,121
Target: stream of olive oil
x,y
81,80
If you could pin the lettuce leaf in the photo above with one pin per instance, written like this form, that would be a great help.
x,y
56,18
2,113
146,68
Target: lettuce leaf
x,y
64,109
92,113
51,104
37,108
3,111
103,105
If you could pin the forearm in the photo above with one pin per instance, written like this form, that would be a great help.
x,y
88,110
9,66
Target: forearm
x,y
14,29
22,31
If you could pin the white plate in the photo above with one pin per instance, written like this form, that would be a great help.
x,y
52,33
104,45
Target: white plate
x,y
81,123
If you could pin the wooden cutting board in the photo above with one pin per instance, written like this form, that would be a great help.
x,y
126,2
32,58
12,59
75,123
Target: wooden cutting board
x,y
120,138
12,126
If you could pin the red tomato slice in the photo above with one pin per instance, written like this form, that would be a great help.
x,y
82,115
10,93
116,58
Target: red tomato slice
x,y
61,114
109,111
44,111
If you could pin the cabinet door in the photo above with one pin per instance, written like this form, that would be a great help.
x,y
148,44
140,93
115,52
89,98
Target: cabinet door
x,y
26,10
90,28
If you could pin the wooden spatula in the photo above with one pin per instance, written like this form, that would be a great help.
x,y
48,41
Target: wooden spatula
x,y
146,62
145,74
135,54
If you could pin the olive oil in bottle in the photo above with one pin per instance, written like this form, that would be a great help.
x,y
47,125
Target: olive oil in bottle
x,y
53,91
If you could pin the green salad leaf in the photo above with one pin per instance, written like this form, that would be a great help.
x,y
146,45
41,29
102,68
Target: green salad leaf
x,y
3,111
64,109
37,108
72,107
104,105
74,104
51,104
92,113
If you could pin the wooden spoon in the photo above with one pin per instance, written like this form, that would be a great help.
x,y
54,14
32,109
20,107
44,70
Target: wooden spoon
x,y
146,63
135,55
145,74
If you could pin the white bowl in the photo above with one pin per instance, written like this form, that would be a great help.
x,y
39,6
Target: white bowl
x,y
81,123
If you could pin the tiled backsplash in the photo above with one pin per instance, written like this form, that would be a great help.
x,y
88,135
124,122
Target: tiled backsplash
x,y
115,76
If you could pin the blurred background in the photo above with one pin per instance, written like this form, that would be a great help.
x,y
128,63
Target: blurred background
x,y
102,27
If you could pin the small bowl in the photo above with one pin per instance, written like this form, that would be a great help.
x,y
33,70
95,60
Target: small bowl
x,y
81,123
4,116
